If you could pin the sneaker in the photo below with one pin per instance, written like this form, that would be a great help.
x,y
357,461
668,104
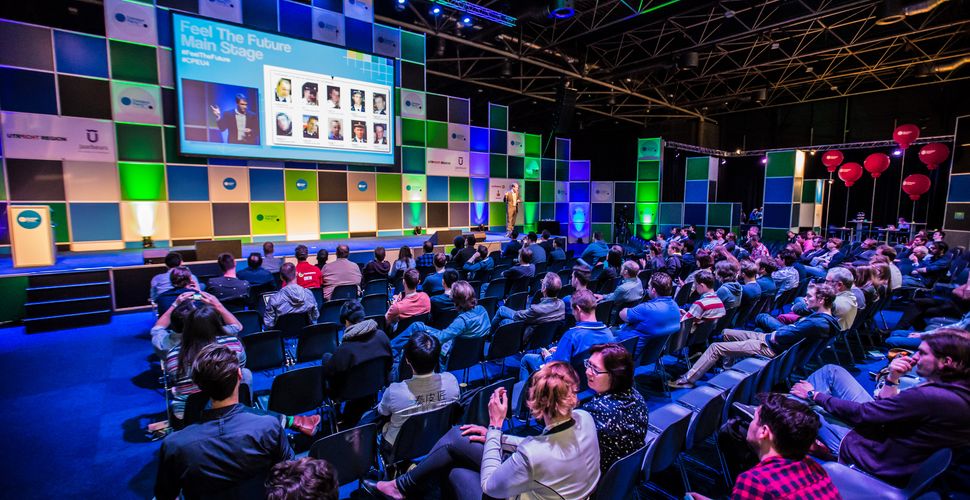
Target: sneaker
x,y
681,383
306,424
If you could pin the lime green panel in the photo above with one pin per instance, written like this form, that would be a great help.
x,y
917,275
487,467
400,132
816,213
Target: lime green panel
x,y
267,218
458,189
3,187
647,232
437,135
244,239
781,164
648,170
139,142
533,145
412,160
647,213
172,148
412,132
496,213
412,47
719,214
498,117
648,191
812,191
698,169
547,192
388,187
301,185
133,62
498,166
532,168
142,181
530,213
13,293
605,229
334,236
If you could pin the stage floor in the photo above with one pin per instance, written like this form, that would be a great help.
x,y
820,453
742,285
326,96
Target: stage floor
x,y
75,261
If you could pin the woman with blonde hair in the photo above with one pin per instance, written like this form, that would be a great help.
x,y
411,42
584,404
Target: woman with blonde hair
x,y
561,463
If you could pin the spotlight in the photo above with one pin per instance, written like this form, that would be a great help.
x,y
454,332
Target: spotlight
x,y
723,161
435,10
400,5
890,12
465,20
764,160
737,151
146,242
561,9
812,152
897,152
507,68
441,47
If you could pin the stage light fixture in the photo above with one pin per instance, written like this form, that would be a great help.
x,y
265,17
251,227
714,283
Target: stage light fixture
x,y
723,161
400,5
146,242
435,10
507,68
561,9
812,152
890,12
764,160
897,152
465,20
417,229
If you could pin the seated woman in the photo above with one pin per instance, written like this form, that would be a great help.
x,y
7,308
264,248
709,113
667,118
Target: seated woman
x,y
619,410
561,463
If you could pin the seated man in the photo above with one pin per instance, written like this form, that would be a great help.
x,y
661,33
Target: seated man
x,y
546,242
362,341
254,274
307,274
558,253
707,307
465,253
271,262
432,283
538,253
891,435
819,264
479,265
303,479
231,445
442,302
786,277
409,303
181,281
821,324
579,280
291,299
628,292
587,333
904,336
595,251
340,272
162,282
228,287
658,316
750,289
766,267
424,391
378,267
730,290
781,434
927,271
845,307
525,269
549,308
511,248
426,259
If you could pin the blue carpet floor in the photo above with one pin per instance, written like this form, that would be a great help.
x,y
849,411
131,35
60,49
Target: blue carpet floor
x,y
75,404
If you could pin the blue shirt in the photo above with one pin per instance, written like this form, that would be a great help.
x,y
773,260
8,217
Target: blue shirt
x,y
660,316
473,268
255,277
580,338
767,285
433,284
750,292
595,251
425,260
538,253
557,255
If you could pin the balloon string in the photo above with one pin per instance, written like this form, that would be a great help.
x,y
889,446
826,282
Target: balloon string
x,y
872,208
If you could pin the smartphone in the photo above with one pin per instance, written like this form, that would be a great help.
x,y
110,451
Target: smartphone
x,y
197,296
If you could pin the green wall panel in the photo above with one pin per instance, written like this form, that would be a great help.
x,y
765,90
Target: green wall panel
x,y
498,117
139,142
142,181
719,214
458,189
334,236
647,232
171,139
496,213
533,145
412,47
133,62
547,191
301,185
646,213
780,164
648,191
13,293
605,229
267,217
530,215
698,169
532,168
437,135
412,132
412,160
388,187
648,170
498,166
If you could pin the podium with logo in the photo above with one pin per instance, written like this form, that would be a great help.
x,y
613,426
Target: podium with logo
x,y
31,236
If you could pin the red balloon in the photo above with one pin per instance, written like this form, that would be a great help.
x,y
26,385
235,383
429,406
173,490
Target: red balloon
x,y
933,154
904,135
832,159
850,172
916,185
876,164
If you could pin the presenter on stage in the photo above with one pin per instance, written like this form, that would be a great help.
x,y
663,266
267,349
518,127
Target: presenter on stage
x,y
511,208
243,125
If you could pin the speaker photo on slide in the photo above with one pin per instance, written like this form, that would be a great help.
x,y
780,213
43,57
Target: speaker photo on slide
x,y
217,112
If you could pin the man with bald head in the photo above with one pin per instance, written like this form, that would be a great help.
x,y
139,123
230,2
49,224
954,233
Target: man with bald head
x,y
340,272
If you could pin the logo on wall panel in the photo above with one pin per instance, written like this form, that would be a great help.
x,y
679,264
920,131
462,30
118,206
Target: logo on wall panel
x,y
130,21
301,184
227,10
412,104
362,186
267,217
359,9
134,103
229,183
328,26
50,137
29,219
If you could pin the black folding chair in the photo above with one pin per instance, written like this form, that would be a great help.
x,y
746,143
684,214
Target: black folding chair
x,y
291,324
465,353
251,321
347,292
264,350
297,391
506,341
417,436
540,335
316,340
330,313
517,301
374,304
351,452
475,407
404,323
363,380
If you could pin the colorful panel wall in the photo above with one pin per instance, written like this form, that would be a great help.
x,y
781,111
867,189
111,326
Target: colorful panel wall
x,y
121,72
784,175
700,190
810,211
647,192
956,222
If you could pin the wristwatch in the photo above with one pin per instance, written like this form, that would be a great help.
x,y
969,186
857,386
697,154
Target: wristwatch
x,y
810,395
890,383
495,428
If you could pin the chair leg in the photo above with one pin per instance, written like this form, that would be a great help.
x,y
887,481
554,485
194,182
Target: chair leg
x,y
683,473
724,466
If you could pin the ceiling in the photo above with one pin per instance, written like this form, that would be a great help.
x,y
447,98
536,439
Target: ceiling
x,y
637,61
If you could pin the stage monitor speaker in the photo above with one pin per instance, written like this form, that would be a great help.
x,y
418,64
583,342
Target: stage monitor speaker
x,y
210,250
562,116
444,236
479,236
154,256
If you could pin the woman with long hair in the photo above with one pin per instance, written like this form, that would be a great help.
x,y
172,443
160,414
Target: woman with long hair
x,y
405,261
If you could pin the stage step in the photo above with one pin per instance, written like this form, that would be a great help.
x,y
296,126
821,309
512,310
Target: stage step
x,y
67,300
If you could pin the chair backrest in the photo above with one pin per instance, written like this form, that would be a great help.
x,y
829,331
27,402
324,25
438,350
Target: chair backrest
x,y
379,319
466,352
374,304
264,350
519,285
316,340
476,409
362,380
516,301
741,393
490,304
707,403
630,344
654,349
376,286
578,361
603,311
351,452
702,333
344,292
788,359
404,323
928,471
291,324
251,322
443,317
496,288
621,480
744,312
679,340
506,341
566,291
297,391
317,297
194,405
541,335
683,295
565,276
667,434
425,271
420,432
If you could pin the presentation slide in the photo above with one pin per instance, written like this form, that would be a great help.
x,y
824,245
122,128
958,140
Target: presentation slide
x,y
246,93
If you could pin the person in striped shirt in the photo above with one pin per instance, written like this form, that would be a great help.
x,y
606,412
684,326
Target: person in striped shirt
x,y
708,307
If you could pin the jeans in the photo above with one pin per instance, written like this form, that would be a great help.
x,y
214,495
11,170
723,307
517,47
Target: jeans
x,y
815,271
738,343
767,322
838,383
503,316
529,364
452,451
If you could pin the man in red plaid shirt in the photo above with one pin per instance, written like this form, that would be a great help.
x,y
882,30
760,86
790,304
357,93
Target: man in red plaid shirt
x,y
781,433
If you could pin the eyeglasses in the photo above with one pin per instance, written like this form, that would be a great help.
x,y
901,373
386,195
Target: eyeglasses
x,y
589,366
